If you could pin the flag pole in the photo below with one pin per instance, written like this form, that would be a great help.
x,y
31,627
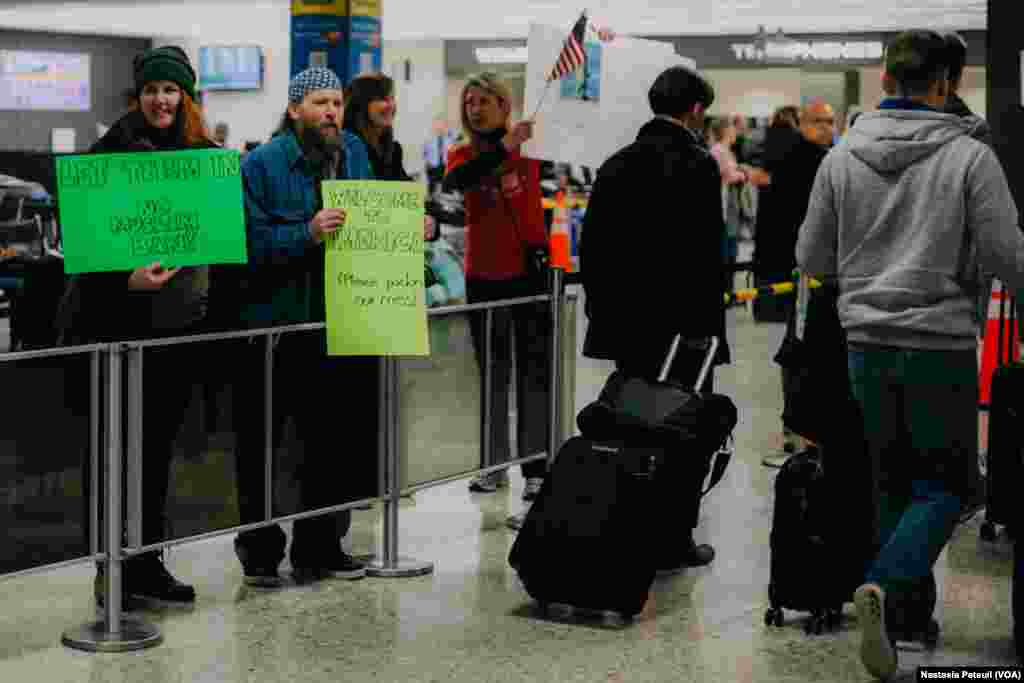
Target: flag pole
x,y
541,103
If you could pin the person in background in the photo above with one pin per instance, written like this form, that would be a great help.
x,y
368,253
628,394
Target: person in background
x,y
956,55
152,301
791,159
739,147
734,178
504,233
287,226
221,132
681,278
891,210
370,110
435,154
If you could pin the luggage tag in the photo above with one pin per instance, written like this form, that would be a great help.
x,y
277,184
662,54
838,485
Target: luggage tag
x,y
803,299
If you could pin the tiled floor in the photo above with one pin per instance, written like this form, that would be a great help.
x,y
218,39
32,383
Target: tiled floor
x,y
471,620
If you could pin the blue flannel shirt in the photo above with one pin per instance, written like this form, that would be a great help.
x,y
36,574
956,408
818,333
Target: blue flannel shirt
x,y
280,202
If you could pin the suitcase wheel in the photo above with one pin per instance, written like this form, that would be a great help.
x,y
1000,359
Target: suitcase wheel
x,y
931,635
988,532
774,617
815,625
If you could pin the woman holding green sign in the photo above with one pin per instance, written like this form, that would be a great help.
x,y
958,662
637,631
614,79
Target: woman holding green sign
x,y
153,301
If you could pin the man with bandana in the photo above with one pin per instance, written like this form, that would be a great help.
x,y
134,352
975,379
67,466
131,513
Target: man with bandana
x,y
287,226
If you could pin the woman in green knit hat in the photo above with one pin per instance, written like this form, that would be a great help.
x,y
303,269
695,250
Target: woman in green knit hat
x,y
155,300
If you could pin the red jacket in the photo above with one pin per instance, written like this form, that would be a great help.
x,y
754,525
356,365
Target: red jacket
x,y
504,214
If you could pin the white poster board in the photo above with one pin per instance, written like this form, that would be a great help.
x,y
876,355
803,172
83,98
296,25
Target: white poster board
x,y
588,131
62,141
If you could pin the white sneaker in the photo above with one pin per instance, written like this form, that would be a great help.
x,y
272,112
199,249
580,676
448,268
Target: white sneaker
x,y
532,488
515,522
489,483
876,650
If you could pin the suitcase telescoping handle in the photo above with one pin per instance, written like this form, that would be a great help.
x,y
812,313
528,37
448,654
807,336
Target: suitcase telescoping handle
x,y
705,368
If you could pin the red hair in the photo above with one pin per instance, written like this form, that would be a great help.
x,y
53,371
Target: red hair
x,y
193,127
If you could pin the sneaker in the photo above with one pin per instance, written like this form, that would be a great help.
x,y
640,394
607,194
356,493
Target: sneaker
x,y
876,650
532,488
489,483
259,568
776,460
344,566
515,522
262,577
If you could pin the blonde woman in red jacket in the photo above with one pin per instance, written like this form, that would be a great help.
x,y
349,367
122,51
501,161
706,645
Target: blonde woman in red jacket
x,y
504,231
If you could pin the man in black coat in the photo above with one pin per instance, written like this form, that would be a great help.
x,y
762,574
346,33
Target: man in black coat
x,y
791,158
652,265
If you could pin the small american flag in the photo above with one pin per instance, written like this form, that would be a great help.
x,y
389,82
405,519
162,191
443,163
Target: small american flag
x,y
572,55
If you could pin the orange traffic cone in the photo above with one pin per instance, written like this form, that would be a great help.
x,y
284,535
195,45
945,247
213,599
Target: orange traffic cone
x,y
560,234
992,356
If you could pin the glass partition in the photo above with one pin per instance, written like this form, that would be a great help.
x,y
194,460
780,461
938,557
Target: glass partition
x,y
439,433
48,416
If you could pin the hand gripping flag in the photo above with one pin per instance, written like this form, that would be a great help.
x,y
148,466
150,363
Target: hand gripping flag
x,y
572,55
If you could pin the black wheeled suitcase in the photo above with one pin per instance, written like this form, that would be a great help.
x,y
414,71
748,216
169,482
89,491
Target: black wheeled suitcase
x,y
1005,461
581,543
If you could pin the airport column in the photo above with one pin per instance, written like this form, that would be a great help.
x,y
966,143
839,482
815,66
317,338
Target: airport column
x,y
342,35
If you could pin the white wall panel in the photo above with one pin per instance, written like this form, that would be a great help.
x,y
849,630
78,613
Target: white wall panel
x,y
415,19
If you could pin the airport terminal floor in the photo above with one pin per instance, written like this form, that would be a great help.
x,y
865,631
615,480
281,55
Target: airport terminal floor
x,y
471,620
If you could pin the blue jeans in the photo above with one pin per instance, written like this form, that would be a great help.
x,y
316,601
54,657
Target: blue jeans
x,y
920,417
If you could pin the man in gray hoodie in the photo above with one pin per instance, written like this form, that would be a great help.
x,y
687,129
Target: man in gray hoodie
x,y
905,213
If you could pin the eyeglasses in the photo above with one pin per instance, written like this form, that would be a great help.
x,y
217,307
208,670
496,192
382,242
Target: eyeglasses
x,y
821,122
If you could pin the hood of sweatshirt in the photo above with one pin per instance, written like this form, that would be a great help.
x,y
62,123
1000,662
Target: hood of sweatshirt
x,y
892,140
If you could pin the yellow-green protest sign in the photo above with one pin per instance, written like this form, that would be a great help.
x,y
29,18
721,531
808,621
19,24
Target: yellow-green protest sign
x,y
122,211
376,301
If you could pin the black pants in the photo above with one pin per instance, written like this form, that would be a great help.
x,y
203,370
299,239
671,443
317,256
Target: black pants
x,y
170,377
525,331
333,402
680,482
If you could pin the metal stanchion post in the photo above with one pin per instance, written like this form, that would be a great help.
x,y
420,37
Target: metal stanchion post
x,y
115,632
557,316
390,564
487,389
95,397
268,427
133,459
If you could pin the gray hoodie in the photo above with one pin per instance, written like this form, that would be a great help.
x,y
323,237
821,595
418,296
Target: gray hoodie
x,y
907,211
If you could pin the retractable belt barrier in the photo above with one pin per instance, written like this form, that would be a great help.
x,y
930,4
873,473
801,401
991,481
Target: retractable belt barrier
x,y
116,429
777,289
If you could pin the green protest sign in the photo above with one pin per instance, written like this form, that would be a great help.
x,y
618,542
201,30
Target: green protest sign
x,y
376,301
122,211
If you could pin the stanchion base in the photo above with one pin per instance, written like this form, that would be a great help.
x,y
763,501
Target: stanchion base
x,y
403,568
93,637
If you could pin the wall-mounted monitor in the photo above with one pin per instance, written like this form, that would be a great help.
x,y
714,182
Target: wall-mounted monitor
x,y
231,67
44,81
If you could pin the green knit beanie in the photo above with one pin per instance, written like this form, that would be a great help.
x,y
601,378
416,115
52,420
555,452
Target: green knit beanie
x,y
165,64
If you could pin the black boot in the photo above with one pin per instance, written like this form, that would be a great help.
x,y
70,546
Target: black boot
x,y
147,578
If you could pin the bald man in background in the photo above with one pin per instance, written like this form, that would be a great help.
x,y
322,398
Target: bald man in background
x,y
791,162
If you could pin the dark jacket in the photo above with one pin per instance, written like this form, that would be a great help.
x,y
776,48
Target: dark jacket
x,y
793,163
105,308
285,276
651,247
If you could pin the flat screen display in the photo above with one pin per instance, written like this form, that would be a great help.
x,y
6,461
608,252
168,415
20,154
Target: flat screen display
x,y
44,81
231,67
